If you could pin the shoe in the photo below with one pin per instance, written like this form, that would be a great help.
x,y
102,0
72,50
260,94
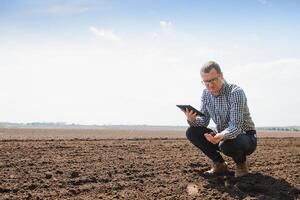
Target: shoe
x,y
218,168
242,169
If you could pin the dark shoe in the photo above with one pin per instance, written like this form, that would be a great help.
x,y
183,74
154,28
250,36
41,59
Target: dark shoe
x,y
218,168
242,169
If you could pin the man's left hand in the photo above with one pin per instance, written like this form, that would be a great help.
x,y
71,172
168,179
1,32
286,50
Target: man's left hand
x,y
214,139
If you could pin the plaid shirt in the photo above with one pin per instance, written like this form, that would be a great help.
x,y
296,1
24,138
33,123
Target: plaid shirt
x,y
228,110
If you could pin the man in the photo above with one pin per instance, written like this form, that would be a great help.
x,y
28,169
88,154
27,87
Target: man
x,y
235,134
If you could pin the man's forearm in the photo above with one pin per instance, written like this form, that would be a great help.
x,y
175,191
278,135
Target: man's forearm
x,y
197,122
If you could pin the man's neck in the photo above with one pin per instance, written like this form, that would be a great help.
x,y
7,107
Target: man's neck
x,y
220,90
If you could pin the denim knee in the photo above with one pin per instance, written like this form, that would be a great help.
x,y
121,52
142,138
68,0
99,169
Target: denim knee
x,y
191,134
195,132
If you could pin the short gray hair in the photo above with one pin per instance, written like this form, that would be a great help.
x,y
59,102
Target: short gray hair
x,y
209,66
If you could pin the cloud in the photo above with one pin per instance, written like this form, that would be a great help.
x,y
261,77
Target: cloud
x,y
105,34
264,2
60,9
164,25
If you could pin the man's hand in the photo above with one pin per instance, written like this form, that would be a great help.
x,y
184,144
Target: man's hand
x,y
190,115
214,139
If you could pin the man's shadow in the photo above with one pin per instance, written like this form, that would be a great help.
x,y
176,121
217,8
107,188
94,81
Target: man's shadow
x,y
254,185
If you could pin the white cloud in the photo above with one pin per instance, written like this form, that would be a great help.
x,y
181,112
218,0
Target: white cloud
x,y
165,28
105,34
264,2
165,25
60,9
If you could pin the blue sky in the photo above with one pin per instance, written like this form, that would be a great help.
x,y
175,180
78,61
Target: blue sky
x,y
130,62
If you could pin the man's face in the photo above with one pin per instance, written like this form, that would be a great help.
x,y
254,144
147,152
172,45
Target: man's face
x,y
213,81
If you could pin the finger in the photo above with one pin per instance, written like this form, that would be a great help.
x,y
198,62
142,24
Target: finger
x,y
215,140
213,134
191,113
211,138
186,111
206,135
207,139
217,137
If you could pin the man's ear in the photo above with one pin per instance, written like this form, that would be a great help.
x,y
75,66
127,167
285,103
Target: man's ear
x,y
221,74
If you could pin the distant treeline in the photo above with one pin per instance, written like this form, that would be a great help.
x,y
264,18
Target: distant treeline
x,y
297,128
65,125
31,124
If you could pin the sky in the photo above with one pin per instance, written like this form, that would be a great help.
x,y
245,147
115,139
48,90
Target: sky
x,y
130,62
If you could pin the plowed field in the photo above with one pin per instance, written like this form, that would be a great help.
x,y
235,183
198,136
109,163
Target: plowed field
x,y
139,168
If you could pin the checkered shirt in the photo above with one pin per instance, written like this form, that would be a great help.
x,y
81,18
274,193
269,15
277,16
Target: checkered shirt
x,y
229,111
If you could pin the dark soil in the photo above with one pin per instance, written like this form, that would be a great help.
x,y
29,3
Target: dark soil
x,y
142,169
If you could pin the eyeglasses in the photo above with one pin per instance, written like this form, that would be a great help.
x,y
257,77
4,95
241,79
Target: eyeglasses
x,y
211,81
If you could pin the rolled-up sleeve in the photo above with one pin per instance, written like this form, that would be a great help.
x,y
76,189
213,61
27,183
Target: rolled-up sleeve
x,y
237,105
201,120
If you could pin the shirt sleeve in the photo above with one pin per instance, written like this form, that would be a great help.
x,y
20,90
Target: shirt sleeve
x,y
237,102
201,120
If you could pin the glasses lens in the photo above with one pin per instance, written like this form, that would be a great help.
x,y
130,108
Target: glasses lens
x,y
212,81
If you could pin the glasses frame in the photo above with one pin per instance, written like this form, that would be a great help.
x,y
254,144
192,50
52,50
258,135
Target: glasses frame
x,y
211,81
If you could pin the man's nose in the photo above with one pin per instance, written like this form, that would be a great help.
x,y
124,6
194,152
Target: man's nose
x,y
208,85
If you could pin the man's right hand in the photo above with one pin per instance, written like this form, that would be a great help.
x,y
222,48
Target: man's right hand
x,y
190,115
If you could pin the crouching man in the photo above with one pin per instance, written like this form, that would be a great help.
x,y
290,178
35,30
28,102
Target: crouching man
x,y
235,135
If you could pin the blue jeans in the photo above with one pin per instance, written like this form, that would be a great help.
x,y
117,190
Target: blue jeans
x,y
238,148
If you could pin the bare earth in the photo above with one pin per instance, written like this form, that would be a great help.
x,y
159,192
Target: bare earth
x,y
138,164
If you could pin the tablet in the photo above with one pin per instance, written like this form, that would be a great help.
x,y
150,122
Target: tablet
x,y
189,107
